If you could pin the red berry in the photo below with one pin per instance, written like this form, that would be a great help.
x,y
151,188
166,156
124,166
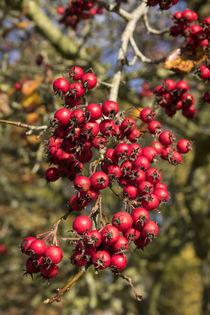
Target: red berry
x,y
154,127
122,151
82,224
130,192
118,262
169,85
147,115
49,272
78,258
31,267
82,183
157,146
137,176
175,158
93,238
122,220
63,116
150,153
110,234
142,163
184,146
132,234
101,259
189,112
26,244
161,194
140,216
51,174
141,242
145,187
76,89
150,201
99,142
77,116
182,86
37,248
127,125
121,245
153,175
93,111
99,180
107,127
53,255
149,231
89,80
114,172
72,100
160,186
110,109
166,138
134,135
76,73
61,86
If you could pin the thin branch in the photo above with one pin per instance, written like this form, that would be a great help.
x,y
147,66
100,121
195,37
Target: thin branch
x,y
61,292
115,8
22,125
151,29
138,53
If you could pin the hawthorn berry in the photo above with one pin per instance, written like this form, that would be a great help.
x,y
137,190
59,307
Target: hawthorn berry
x,y
82,224
101,259
122,220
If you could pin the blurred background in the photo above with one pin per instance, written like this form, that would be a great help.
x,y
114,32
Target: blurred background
x,y
173,272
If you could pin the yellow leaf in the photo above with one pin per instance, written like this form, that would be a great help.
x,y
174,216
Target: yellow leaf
x,y
31,102
30,86
184,59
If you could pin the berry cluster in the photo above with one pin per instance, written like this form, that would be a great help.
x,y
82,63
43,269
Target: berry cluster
x,y
78,10
163,4
174,96
83,131
107,248
196,35
146,91
43,258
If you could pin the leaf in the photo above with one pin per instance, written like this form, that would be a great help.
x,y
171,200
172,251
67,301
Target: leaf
x,y
30,86
30,102
24,24
4,105
184,59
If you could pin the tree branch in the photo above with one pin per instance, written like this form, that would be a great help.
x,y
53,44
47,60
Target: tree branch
x,y
121,60
67,47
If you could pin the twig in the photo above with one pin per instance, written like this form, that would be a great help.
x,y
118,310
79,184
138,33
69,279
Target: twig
x,y
105,83
22,125
129,280
61,292
137,51
151,29
115,8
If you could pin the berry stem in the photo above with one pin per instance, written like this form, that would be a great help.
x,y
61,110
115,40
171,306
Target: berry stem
x,y
65,288
129,280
